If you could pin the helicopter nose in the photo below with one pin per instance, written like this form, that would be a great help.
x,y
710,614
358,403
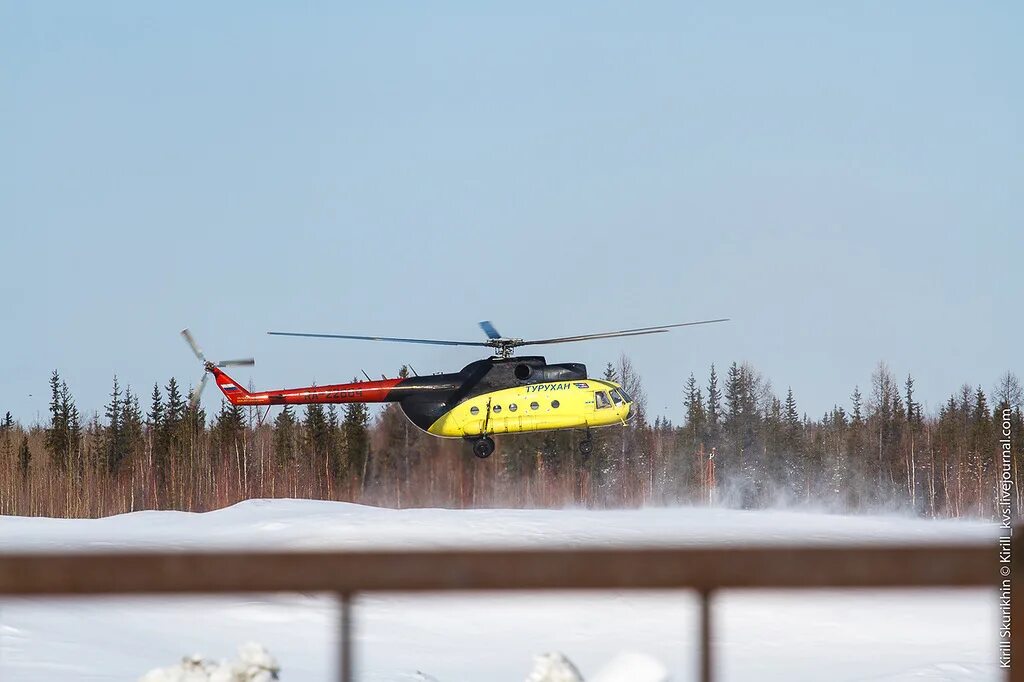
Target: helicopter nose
x,y
628,407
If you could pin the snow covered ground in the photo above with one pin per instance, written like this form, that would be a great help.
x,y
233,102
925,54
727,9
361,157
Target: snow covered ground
x,y
905,635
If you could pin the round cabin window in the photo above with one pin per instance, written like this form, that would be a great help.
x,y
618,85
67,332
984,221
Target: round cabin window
x,y
497,409
474,410
534,406
555,404
512,407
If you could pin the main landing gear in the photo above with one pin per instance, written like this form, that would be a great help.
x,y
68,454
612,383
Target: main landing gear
x,y
586,446
483,447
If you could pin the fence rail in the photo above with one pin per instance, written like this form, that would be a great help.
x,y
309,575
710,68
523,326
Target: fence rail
x,y
704,569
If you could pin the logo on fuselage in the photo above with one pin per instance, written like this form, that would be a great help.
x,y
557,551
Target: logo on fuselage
x,y
536,388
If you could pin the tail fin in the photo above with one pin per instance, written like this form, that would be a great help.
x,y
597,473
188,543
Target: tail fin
x,y
232,390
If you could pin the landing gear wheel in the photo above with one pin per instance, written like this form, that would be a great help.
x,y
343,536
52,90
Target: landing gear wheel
x,y
483,447
586,447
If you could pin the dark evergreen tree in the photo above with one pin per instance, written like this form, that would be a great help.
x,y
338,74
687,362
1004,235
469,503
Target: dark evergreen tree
x,y
155,416
131,422
982,448
317,434
285,436
73,427
356,438
24,458
696,418
229,432
7,428
913,407
794,427
172,433
57,431
156,421
334,450
115,441
714,411
175,411
610,374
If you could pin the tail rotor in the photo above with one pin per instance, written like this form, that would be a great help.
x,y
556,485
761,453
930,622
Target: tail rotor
x,y
208,366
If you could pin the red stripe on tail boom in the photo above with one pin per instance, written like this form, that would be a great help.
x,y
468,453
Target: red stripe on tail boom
x,y
358,392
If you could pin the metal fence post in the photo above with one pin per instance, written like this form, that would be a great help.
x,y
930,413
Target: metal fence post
x,y
704,652
345,637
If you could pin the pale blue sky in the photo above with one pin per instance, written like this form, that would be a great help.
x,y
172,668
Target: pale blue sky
x,y
844,182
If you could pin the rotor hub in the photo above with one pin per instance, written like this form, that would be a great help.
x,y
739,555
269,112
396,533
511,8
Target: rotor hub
x,y
504,348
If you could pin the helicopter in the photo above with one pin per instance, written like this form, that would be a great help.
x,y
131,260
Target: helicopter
x,y
501,394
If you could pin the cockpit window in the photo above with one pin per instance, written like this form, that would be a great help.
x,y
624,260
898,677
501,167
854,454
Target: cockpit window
x,y
616,397
601,400
625,396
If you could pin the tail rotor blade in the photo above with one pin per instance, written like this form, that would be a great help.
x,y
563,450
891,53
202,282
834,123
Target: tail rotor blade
x,y
190,340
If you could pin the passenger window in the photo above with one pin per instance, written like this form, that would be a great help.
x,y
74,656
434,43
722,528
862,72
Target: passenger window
x,y
497,409
534,406
474,410
512,407
601,399
616,398
555,404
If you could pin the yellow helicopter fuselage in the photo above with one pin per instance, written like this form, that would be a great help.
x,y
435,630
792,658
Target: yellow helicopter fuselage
x,y
547,406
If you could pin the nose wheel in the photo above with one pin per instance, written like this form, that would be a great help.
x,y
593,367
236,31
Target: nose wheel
x,y
483,447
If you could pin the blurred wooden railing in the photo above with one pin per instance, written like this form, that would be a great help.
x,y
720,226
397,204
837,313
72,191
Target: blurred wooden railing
x,y
704,569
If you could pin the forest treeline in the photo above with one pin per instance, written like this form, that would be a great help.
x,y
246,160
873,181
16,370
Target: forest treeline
x,y
738,443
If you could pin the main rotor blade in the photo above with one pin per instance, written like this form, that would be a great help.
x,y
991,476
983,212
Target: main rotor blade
x,y
624,332
435,342
198,391
190,340
244,362
489,329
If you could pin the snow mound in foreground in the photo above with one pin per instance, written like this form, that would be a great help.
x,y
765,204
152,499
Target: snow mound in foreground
x,y
254,664
632,667
626,667
553,667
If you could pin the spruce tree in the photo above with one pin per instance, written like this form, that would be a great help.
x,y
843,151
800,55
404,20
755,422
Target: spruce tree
x,y
158,437
172,429
131,423
114,441
7,427
333,442
356,438
714,411
284,436
913,407
24,458
229,434
982,446
695,417
57,431
155,416
610,374
317,437
175,406
72,425
794,445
